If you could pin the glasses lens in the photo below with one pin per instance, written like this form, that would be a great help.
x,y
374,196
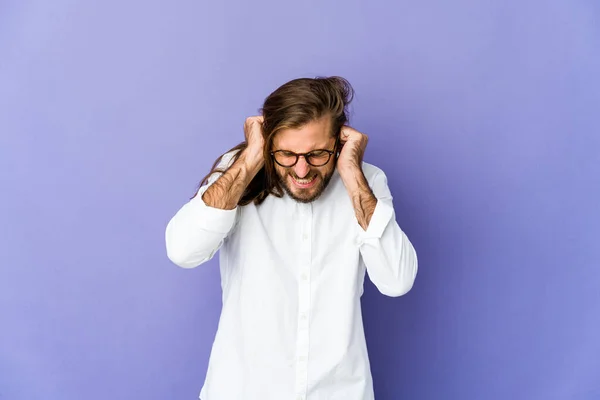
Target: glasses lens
x,y
318,158
285,158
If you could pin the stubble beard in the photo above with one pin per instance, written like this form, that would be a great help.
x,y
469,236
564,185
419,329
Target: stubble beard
x,y
318,191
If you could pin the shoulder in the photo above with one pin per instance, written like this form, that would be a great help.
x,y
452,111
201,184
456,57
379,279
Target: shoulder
x,y
228,158
372,172
377,180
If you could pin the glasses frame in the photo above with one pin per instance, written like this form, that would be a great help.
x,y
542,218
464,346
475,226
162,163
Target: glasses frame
x,y
306,156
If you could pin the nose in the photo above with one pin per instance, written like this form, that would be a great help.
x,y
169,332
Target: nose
x,y
301,168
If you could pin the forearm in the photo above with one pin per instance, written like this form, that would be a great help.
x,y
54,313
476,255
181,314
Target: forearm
x,y
199,228
389,256
361,195
226,192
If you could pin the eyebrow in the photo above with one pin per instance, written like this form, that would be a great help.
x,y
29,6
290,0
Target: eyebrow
x,y
307,152
314,149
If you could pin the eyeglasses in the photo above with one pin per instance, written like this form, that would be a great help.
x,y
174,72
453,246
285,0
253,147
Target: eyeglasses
x,y
316,158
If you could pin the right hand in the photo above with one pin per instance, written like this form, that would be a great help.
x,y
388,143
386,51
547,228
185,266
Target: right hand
x,y
254,137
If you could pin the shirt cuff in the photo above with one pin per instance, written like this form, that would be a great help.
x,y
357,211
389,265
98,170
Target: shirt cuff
x,y
210,218
379,221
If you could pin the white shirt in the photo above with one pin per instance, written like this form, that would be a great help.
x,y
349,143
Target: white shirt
x,y
292,275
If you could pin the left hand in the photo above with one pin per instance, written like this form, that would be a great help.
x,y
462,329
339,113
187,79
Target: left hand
x,y
353,144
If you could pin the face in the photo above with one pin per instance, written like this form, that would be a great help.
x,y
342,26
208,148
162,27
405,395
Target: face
x,y
304,182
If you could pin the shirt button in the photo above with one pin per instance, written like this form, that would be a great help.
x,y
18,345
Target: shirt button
x,y
302,358
305,237
304,276
303,316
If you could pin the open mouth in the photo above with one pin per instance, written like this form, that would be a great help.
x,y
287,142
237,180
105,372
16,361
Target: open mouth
x,y
304,183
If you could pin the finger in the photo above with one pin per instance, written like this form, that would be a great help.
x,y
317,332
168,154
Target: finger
x,y
345,132
349,134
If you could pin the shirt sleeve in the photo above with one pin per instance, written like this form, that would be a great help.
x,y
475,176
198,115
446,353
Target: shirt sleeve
x,y
197,231
388,254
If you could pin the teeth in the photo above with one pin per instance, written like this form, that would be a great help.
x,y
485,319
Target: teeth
x,y
304,181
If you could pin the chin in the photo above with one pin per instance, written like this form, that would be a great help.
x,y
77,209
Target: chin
x,y
305,195
306,199
302,195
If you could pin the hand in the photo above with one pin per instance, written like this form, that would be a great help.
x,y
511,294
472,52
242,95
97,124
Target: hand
x,y
354,144
255,139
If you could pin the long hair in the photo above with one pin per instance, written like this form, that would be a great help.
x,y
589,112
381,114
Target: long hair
x,y
291,106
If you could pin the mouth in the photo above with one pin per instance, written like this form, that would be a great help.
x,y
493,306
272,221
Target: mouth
x,y
304,183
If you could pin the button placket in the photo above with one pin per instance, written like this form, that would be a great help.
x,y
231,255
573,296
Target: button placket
x,y
303,303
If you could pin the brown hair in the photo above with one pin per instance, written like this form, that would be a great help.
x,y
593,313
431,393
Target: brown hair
x,y
291,106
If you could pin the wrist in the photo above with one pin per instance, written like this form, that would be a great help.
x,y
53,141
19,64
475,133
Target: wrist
x,y
253,160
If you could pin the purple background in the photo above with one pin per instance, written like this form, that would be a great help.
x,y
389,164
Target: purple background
x,y
485,116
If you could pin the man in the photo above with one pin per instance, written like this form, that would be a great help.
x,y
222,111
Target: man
x,y
298,218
